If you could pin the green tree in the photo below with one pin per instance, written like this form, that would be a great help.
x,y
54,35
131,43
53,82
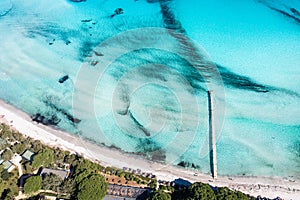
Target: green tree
x,y
80,174
224,193
200,191
17,136
5,131
7,154
152,184
44,158
19,148
5,175
72,159
51,182
159,195
36,145
93,187
68,187
33,184
88,165
180,194
1,168
242,196
27,167
3,143
7,194
59,155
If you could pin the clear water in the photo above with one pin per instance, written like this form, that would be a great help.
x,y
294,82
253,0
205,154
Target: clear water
x,y
142,96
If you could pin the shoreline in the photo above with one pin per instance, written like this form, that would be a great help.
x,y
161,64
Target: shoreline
x,y
270,187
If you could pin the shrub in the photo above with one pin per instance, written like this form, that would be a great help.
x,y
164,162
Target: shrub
x,y
93,187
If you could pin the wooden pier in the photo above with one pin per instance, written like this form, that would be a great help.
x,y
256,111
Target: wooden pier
x,y
212,136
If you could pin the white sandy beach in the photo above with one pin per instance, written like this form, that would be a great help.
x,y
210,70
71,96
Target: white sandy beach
x,y
287,188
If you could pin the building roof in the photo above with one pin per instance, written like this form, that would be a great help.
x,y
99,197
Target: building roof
x,y
61,173
16,159
28,155
11,168
111,197
7,164
114,192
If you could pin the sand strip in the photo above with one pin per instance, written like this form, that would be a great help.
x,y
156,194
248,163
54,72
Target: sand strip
x,y
270,187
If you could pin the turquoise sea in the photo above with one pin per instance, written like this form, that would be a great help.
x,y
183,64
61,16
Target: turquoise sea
x,y
134,75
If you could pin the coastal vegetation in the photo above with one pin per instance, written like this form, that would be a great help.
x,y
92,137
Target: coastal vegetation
x,y
33,184
44,158
92,187
8,186
84,179
199,191
159,195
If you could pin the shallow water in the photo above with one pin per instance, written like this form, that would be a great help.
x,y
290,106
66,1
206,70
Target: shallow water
x,y
145,90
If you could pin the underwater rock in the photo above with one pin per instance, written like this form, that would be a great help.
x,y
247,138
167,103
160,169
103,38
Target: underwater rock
x,y
283,9
85,49
63,79
5,7
118,11
158,156
68,42
86,20
241,82
65,113
52,42
169,17
53,120
72,119
139,125
182,164
77,1
188,164
296,12
152,1
98,54
94,63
